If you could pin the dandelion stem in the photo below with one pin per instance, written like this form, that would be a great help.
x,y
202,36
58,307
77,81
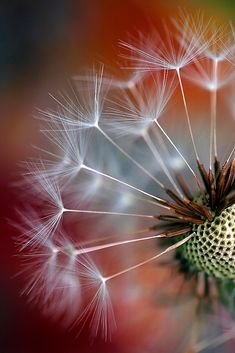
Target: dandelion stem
x,y
109,237
108,213
170,248
231,153
213,137
178,151
129,157
187,113
157,156
114,244
125,184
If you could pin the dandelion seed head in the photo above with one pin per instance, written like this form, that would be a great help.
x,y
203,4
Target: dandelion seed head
x,y
132,176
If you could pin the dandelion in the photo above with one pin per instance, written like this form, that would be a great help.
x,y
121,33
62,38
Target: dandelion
x,y
135,179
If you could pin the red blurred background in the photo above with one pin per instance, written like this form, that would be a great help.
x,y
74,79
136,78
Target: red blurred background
x,y
43,45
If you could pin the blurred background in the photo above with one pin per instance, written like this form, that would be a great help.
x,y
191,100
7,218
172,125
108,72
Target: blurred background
x,y
43,44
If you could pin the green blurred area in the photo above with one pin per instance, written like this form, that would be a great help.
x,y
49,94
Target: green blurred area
x,y
223,9
226,7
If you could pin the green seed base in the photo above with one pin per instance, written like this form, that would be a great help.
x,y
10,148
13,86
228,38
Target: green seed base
x,y
212,249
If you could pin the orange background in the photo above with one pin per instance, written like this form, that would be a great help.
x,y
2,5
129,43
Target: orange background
x,y
43,46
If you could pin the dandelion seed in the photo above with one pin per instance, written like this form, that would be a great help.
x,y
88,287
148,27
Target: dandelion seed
x,y
215,71
116,193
